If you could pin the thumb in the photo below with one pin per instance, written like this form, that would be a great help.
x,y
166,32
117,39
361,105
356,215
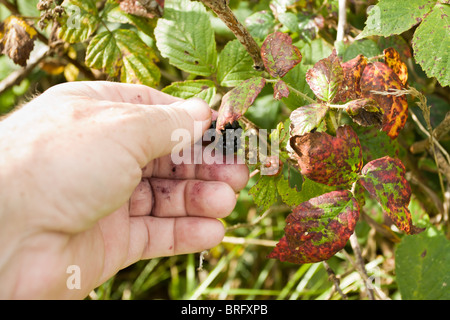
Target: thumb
x,y
177,125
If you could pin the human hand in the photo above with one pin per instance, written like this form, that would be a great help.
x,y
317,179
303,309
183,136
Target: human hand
x,y
87,180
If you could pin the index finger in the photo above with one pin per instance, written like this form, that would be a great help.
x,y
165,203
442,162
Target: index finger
x,y
117,92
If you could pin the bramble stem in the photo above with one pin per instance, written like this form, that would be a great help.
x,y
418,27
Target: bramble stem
x,y
223,11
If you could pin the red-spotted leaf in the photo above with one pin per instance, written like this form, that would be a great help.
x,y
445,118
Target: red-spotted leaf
x,y
325,77
236,102
280,90
379,77
384,179
365,112
279,55
307,118
350,87
318,228
334,161
392,59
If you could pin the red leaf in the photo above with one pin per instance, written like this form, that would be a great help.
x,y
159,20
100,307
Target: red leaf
x,y
318,228
279,55
353,70
379,77
384,179
236,102
326,77
365,112
280,90
333,161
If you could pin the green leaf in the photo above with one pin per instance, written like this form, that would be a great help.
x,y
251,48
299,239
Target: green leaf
x,y
318,228
184,35
80,21
431,44
236,102
325,77
307,118
203,89
123,52
296,79
235,65
368,48
103,53
376,143
422,266
394,17
264,192
260,24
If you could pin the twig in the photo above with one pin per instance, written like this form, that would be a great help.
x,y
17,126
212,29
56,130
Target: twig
x,y
359,265
17,76
271,210
335,280
248,241
223,11
439,132
342,20
364,276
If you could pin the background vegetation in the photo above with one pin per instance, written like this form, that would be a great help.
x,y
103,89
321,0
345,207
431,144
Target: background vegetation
x,y
122,42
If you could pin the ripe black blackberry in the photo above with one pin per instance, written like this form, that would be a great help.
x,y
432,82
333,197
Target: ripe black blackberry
x,y
229,131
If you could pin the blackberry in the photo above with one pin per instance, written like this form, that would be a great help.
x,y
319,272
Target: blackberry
x,y
228,132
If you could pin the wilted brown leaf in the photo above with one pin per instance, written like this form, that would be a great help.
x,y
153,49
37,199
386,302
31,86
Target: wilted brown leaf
x,y
17,39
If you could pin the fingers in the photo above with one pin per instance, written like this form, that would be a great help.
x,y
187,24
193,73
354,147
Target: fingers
x,y
152,237
115,92
142,120
180,198
235,174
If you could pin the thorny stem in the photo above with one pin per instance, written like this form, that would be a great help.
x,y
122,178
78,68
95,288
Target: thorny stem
x,y
223,11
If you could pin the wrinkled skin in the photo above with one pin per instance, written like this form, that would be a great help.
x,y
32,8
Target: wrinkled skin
x,y
86,179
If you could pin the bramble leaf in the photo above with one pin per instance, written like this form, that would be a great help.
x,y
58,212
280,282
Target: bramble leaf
x,y
203,89
365,112
376,143
17,39
385,180
280,90
123,52
379,77
350,87
279,55
431,44
185,36
393,61
318,228
394,17
235,65
333,161
80,22
264,192
307,118
236,102
326,77
421,266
